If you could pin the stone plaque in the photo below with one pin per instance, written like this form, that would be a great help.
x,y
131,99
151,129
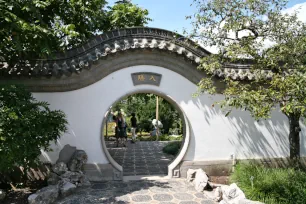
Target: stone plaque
x,y
150,78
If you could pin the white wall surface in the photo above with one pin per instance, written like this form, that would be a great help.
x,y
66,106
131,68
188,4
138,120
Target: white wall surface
x,y
213,136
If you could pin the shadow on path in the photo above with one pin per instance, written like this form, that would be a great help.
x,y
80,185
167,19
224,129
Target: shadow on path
x,y
144,191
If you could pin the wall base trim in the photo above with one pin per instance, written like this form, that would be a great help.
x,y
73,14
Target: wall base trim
x,y
100,172
106,172
225,167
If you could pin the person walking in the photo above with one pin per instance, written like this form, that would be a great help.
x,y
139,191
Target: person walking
x,y
133,127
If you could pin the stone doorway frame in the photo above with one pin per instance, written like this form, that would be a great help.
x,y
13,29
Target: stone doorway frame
x,y
173,167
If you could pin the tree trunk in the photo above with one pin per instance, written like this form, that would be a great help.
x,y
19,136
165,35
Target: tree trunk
x,y
294,138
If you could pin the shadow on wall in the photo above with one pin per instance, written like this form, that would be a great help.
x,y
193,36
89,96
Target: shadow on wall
x,y
249,138
253,136
68,137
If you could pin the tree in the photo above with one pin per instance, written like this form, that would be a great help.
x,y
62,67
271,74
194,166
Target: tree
x,y
241,30
125,14
144,105
35,29
26,127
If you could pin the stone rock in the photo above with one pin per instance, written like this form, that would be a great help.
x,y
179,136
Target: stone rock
x,y
246,201
191,174
46,195
66,188
218,194
66,153
232,194
59,168
53,179
201,180
84,182
73,177
215,194
2,194
78,159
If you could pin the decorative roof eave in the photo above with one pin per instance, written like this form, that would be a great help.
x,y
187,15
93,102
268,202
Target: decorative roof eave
x,y
75,60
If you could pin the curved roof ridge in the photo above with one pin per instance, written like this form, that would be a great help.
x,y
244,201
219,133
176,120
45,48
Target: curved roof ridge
x,y
148,32
120,40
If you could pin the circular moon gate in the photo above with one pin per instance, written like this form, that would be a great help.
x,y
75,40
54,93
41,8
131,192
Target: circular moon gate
x,y
172,171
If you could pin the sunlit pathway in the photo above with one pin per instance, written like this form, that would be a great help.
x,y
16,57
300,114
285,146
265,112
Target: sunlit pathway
x,y
161,192
141,158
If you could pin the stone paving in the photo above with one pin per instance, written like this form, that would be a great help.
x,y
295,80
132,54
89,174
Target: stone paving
x,y
141,158
166,191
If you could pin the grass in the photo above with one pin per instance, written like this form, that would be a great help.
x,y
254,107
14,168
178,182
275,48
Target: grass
x,y
271,185
172,148
161,138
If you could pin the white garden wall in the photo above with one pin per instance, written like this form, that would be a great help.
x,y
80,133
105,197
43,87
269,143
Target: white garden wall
x,y
213,136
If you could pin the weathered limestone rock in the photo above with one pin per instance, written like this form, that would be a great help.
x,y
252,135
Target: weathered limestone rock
x,y
78,159
232,194
67,188
191,174
2,194
53,179
215,194
73,177
66,153
59,168
46,195
247,201
218,194
85,182
201,180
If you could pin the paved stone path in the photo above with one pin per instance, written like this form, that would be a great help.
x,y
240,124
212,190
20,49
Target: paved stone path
x,y
144,191
141,158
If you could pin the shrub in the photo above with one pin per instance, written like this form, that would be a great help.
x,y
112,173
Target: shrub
x,y
271,185
26,127
172,148
161,138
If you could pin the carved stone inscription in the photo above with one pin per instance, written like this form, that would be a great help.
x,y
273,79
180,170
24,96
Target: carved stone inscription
x,y
150,78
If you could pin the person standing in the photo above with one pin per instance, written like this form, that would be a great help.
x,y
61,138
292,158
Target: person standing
x,y
133,127
120,123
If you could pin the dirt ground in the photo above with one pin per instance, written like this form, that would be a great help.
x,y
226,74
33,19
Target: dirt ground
x,y
220,179
20,195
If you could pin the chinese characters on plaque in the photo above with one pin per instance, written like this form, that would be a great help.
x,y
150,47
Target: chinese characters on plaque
x,y
150,78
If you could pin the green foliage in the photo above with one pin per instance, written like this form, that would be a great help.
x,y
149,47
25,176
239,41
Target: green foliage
x,y
126,14
144,106
161,138
172,148
269,185
34,28
26,127
241,30
110,129
144,125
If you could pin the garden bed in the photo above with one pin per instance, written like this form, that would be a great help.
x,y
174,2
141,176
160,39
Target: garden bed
x,y
271,185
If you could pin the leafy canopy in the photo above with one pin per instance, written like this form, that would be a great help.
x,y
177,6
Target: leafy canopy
x,y
34,28
144,106
26,127
258,33
126,14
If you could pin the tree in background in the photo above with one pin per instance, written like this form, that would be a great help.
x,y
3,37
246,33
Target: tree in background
x,y
241,30
124,14
144,105
26,127
34,28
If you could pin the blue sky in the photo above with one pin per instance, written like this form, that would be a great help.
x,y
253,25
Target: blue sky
x,y
170,14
